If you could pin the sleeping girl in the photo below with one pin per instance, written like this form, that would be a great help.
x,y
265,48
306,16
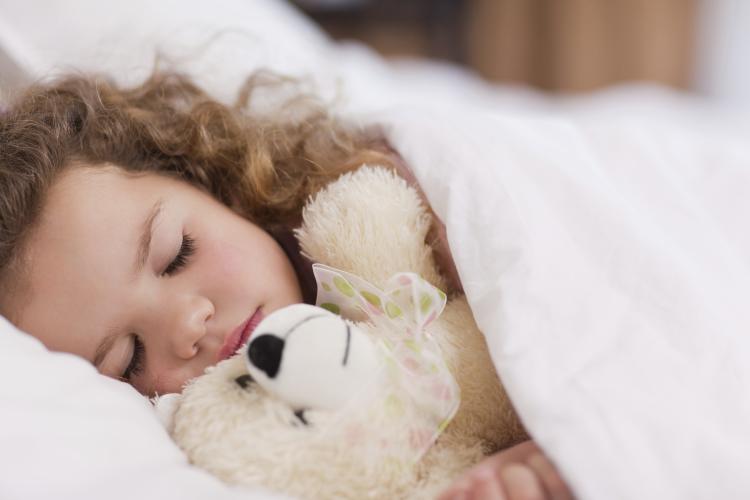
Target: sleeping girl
x,y
141,228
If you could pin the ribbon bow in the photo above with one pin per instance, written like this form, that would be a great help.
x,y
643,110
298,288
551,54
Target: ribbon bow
x,y
414,360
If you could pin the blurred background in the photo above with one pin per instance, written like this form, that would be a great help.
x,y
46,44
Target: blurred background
x,y
560,45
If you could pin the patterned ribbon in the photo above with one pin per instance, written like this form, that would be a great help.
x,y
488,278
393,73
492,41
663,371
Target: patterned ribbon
x,y
420,389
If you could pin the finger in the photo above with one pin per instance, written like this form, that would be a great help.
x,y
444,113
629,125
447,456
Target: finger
x,y
521,483
458,491
515,454
488,487
550,477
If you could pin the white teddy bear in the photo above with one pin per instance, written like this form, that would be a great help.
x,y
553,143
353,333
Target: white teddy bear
x,y
394,401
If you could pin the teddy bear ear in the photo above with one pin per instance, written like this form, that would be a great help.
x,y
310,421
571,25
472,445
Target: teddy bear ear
x,y
165,407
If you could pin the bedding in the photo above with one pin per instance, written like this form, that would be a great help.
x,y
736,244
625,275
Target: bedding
x,y
600,242
67,432
606,257
217,43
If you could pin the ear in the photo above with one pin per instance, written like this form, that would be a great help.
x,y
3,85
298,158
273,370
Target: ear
x,y
371,223
165,407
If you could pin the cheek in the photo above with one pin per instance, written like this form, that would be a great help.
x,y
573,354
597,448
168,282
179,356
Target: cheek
x,y
247,264
229,260
229,270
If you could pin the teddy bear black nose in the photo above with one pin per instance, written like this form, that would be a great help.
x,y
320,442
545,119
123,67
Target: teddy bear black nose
x,y
264,352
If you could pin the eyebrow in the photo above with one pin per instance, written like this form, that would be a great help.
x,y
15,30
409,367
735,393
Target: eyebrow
x,y
147,231
141,257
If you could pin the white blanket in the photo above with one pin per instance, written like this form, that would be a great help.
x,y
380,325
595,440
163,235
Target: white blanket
x,y
607,261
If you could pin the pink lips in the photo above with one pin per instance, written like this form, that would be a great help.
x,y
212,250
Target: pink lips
x,y
239,335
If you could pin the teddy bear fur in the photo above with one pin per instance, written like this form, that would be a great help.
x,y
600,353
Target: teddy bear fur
x,y
372,224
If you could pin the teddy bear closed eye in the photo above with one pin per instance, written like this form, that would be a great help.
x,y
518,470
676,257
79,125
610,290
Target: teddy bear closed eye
x,y
391,396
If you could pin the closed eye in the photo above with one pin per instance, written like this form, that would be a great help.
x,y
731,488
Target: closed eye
x,y
187,249
135,366
244,380
300,414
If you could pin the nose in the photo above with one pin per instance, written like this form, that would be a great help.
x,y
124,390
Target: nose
x,y
264,352
188,325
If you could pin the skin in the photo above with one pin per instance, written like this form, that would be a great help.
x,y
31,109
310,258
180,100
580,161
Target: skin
x,y
521,472
82,287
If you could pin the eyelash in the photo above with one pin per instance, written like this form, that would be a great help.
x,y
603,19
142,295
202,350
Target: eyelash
x,y
187,249
136,361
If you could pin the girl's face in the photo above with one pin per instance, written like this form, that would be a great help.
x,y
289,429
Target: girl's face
x,y
147,277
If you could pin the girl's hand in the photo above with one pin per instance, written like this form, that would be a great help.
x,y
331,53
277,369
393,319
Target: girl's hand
x,y
520,472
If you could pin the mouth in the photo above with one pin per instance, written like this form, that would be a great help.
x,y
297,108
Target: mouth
x,y
239,336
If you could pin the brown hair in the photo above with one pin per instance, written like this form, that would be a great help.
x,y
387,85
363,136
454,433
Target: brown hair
x,y
262,165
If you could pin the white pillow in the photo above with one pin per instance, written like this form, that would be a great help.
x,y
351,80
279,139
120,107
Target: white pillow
x,y
219,43
68,432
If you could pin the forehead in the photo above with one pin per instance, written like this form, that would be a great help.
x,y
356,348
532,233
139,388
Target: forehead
x,y
85,210
82,196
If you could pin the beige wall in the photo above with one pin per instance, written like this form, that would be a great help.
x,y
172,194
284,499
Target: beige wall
x,y
582,44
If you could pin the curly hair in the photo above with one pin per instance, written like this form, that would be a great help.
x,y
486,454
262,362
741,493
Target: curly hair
x,y
263,165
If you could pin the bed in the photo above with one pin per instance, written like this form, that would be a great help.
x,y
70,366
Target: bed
x,y
602,241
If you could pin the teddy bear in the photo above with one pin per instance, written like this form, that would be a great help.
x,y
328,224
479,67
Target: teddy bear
x,y
386,391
